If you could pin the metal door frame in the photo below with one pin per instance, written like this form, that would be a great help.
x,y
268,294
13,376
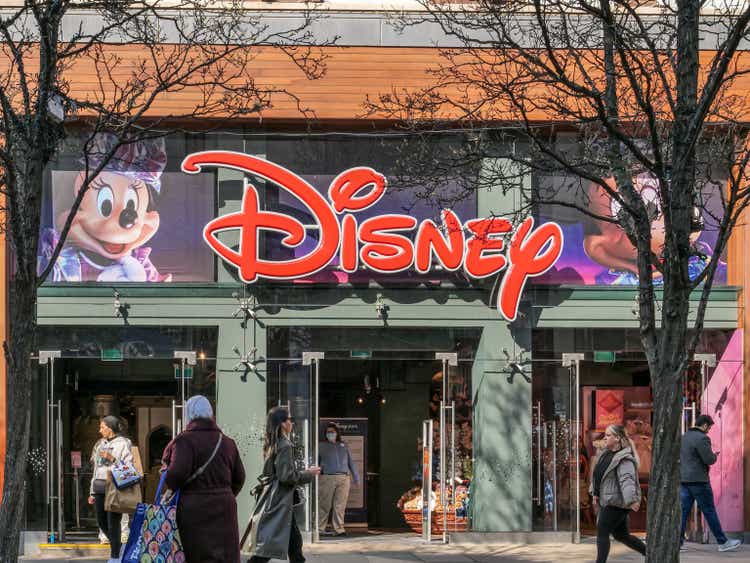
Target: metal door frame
x,y
449,359
426,476
313,359
572,361
706,361
55,522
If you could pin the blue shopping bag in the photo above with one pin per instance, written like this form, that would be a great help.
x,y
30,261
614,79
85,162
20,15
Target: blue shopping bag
x,y
154,537
133,547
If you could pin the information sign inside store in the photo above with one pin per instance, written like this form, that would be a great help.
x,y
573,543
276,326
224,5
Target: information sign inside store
x,y
111,355
75,459
378,243
178,373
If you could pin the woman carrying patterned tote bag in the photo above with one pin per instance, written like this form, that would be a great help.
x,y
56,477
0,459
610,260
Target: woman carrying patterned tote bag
x,y
207,510
159,539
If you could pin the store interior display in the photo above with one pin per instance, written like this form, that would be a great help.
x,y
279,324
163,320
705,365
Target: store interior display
x,y
410,504
631,407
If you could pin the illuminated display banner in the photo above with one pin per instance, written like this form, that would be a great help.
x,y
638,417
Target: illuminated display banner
x,y
378,243
136,221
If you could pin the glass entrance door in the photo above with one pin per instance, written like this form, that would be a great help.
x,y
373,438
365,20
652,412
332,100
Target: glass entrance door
x,y
131,374
53,446
558,466
379,399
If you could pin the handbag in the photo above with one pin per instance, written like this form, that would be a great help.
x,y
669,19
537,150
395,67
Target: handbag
x,y
124,501
124,474
99,487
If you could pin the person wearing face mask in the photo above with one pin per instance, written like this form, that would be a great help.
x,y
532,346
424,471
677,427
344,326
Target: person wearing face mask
x,y
336,465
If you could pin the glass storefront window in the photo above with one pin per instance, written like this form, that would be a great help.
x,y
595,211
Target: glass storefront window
x,y
129,372
613,387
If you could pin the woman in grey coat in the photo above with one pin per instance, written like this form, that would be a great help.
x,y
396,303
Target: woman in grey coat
x,y
614,486
275,534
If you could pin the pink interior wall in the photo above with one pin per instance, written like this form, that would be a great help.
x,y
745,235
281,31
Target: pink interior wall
x,y
723,402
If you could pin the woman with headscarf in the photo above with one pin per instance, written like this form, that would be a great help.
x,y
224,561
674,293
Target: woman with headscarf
x,y
207,510
112,448
274,533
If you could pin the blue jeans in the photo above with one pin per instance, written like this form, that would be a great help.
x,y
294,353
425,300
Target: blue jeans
x,y
704,496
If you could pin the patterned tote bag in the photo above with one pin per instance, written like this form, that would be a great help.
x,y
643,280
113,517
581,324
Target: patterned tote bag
x,y
154,537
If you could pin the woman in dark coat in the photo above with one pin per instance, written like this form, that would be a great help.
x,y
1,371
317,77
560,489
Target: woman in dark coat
x,y
275,534
207,512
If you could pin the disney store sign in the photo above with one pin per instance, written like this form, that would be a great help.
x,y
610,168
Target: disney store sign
x,y
378,243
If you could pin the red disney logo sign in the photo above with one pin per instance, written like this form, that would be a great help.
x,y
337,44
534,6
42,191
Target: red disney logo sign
x,y
379,242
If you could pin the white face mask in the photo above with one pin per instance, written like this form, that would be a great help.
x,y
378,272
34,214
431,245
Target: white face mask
x,y
331,436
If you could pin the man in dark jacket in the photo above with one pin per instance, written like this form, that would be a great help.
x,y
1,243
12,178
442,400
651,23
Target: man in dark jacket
x,y
696,456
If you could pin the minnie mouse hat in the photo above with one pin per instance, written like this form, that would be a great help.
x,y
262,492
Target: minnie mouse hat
x,y
144,159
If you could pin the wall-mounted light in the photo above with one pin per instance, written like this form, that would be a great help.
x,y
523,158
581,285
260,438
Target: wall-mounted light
x,y
248,363
360,400
247,308
202,356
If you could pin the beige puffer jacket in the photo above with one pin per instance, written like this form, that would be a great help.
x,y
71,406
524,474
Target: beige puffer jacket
x,y
119,447
619,485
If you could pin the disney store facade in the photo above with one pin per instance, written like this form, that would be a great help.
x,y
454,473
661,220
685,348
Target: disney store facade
x,y
248,268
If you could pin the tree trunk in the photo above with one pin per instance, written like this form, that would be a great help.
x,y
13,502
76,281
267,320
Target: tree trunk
x,y
663,491
20,369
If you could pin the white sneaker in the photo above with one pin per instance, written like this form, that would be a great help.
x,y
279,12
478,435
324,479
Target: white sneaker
x,y
729,545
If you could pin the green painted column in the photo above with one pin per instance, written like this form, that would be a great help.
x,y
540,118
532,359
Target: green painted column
x,y
242,405
501,488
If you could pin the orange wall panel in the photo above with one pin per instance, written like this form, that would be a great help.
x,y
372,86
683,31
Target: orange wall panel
x,y
352,74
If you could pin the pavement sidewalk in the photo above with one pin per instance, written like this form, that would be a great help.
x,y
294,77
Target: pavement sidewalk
x,y
348,551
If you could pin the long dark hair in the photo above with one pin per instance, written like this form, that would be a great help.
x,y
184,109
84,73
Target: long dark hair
x,y
276,417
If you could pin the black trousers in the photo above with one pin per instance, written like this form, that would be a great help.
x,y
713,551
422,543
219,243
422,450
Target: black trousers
x,y
295,547
613,520
109,522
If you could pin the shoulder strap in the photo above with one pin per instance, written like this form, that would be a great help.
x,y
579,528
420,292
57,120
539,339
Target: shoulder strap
x,y
202,468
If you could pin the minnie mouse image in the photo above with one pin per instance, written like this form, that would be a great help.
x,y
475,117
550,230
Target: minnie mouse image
x,y
117,217
607,244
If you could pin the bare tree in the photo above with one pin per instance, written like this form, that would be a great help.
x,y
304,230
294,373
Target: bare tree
x,y
134,57
612,95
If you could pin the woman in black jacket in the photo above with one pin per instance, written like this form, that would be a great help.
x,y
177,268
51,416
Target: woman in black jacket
x,y
275,534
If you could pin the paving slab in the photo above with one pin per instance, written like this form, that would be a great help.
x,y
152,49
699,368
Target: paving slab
x,y
385,551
